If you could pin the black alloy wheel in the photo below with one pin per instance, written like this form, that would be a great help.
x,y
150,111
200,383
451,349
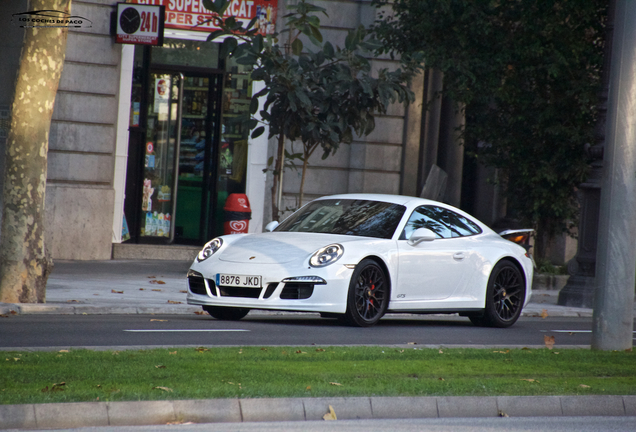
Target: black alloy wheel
x,y
505,296
226,313
368,295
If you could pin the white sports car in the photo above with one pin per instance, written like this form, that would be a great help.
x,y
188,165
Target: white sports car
x,y
358,256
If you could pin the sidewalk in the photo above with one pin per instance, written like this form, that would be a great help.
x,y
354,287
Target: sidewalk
x,y
153,286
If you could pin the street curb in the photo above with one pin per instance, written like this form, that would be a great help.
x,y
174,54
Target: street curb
x,y
87,414
532,310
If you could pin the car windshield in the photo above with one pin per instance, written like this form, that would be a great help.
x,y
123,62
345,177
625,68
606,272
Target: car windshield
x,y
344,216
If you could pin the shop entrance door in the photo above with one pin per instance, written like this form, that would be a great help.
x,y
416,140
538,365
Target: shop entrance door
x,y
182,126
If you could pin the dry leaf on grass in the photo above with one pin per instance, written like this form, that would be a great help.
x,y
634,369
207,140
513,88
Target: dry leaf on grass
x,y
63,351
172,352
335,383
201,349
529,380
549,341
308,388
584,386
160,366
331,415
166,389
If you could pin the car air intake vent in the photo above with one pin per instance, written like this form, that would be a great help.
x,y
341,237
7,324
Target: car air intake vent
x,y
197,284
212,287
270,290
297,291
239,292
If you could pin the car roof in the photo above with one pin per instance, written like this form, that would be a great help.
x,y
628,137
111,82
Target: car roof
x,y
394,199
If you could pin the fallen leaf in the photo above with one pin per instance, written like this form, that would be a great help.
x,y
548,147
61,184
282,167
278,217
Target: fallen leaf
x,y
308,388
263,349
174,302
142,289
441,352
172,352
584,386
183,291
549,341
160,320
331,415
529,380
300,352
335,383
116,292
441,379
201,349
411,343
554,352
320,350
166,389
199,312
156,290
159,282
160,366
152,277
401,351
502,352
544,313
63,351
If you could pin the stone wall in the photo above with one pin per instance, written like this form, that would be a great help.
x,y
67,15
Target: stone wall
x,y
80,194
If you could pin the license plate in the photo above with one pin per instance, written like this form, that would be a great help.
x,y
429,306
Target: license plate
x,y
231,280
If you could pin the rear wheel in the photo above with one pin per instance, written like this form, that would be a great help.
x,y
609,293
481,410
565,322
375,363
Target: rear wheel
x,y
368,295
226,313
505,296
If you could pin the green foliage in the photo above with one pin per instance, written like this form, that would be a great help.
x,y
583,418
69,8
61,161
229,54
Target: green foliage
x,y
528,71
314,92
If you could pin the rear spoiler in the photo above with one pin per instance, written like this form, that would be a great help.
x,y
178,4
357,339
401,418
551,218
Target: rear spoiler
x,y
521,237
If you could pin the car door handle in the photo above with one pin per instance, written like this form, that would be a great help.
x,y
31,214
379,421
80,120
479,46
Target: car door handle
x,y
459,256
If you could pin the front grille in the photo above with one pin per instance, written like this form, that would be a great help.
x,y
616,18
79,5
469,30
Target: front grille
x,y
197,284
297,291
239,292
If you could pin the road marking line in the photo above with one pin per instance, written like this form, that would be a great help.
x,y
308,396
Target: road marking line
x,y
187,330
571,331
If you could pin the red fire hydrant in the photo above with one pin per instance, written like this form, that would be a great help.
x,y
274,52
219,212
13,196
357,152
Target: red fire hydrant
x,y
237,214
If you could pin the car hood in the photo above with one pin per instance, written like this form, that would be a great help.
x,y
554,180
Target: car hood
x,y
279,247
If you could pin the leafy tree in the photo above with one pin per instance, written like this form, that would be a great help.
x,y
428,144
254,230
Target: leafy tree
x,y
321,97
24,261
528,71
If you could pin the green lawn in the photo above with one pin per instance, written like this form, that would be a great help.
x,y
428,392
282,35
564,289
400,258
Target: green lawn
x,y
252,372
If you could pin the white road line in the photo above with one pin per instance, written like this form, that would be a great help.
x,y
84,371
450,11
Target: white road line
x,y
570,331
187,330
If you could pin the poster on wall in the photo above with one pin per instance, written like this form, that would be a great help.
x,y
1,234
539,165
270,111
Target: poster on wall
x,y
139,25
191,15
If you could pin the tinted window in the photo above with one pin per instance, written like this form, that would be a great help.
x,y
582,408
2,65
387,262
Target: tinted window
x,y
349,217
445,223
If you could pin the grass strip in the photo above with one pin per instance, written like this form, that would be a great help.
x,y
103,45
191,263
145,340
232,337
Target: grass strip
x,y
309,371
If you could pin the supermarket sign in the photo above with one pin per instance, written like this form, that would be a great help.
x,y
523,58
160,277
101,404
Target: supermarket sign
x,y
140,25
191,15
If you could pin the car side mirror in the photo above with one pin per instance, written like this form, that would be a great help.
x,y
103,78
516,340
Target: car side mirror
x,y
271,226
420,235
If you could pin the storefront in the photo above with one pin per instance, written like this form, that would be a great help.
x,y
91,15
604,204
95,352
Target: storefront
x,y
186,151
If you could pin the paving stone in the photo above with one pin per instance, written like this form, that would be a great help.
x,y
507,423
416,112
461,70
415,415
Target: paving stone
x,y
208,411
270,409
345,408
468,406
530,406
17,417
592,405
404,407
140,413
71,415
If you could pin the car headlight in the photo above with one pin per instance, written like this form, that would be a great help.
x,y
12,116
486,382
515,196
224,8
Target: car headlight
x,y
327,255
209,249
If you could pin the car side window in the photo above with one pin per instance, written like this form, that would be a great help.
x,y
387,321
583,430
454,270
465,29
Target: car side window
x,y
443,222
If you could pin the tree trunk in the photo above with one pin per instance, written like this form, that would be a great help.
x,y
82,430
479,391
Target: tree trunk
x,y
278,176
24,262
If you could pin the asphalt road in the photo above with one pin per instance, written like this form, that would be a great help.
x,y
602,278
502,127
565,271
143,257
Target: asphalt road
x,y
95,331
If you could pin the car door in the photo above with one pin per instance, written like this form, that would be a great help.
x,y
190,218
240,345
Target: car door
x,y
435,270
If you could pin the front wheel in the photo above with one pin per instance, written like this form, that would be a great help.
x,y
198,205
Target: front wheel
x,y
368,295
505,296
226,313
